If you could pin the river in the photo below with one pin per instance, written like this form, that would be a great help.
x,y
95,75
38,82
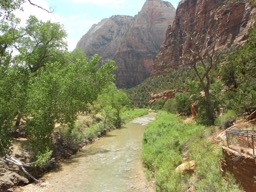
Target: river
x,y
111,164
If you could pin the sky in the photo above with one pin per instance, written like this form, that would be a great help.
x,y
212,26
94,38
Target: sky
x,y
77,16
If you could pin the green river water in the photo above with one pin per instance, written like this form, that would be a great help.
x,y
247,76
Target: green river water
x,y
111,164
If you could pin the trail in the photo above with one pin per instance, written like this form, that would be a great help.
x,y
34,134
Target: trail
x,y
111,164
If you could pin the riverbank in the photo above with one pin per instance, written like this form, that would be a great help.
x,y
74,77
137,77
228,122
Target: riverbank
x,y
184,156
112,163
88,128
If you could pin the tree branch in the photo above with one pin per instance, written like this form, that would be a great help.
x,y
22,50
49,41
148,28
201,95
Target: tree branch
x,y
21,165
39,6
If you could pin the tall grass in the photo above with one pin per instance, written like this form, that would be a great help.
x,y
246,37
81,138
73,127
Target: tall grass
x,y
130,114
168,142
87,128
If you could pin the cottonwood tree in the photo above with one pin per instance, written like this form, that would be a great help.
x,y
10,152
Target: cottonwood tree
x,y
15,71
200,52
40,43
11,77
43,83
58,92
203,58
112,102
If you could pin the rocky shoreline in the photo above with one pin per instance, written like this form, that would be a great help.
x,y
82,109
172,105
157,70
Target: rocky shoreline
x,y
12,176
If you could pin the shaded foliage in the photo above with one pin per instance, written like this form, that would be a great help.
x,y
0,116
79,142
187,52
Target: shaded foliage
x,y
238,74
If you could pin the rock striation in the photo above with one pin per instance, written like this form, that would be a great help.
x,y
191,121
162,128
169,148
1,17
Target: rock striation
x,y
105,37
133,42
228,20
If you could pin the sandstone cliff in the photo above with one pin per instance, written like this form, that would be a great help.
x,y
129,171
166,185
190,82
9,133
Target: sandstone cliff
x,y
105,37
228,20
132,42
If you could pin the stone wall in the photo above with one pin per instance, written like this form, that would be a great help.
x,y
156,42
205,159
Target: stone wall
x,y
242,166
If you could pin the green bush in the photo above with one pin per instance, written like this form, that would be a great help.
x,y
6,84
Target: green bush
x,y
238,74
224,120
130,114
170,106
71,136
203,115
207,172
158,104
183,103
167,141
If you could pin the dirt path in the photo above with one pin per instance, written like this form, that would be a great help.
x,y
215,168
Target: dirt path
x,y
111,164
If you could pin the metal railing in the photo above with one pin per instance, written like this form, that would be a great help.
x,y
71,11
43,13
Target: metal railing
x,y
243,140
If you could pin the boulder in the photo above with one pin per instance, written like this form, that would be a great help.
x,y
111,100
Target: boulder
x,y
187,167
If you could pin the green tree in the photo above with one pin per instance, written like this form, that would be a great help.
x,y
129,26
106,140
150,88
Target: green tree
x,y
43,83
40,43
59,91
12,78
113,101
238,74
183,103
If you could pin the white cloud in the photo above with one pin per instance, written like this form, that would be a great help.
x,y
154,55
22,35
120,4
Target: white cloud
x,y
71,24
41,14
76,26
101,2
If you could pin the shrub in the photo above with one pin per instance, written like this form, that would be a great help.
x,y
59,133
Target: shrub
x,y
130,114
158,104
167,141
183,103
203,116
226,119
170,106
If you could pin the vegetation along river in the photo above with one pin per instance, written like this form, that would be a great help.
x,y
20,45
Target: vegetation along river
x,y
111,164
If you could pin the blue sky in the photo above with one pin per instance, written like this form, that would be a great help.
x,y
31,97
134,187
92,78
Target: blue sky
x,y
77,16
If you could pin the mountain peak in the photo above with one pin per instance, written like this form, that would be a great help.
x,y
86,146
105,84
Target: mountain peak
x,y
132,42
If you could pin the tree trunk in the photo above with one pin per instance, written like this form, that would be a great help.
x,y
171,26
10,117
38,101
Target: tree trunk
x,y
209,107
17,123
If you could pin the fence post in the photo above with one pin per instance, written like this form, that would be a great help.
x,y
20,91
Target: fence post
x,y
248,139
227,139
253,144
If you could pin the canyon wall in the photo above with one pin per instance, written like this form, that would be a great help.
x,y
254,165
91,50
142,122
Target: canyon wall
x,y
227,20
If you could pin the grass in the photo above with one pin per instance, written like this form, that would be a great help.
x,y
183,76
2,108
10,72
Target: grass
x,y
168,142
86,128
130,114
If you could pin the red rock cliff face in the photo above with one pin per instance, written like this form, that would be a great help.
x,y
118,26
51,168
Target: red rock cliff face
x,y
142,42
133,42
105,37
228,20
